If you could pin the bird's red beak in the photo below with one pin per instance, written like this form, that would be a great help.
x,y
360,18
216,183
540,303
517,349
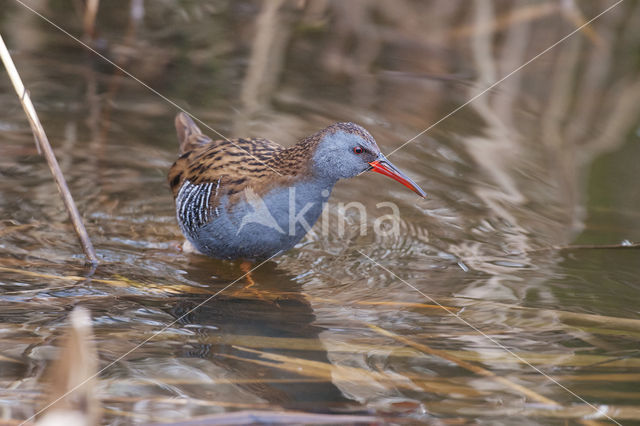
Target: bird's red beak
x,y
384,167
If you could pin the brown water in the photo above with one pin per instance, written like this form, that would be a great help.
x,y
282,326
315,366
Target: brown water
x,y
547,160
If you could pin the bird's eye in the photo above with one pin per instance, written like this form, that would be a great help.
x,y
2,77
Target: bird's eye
x,y
358,150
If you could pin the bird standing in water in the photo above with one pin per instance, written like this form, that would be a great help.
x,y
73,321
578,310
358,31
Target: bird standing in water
x,y
252,198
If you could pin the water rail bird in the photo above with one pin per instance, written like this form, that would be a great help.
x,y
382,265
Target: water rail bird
x,y
252,198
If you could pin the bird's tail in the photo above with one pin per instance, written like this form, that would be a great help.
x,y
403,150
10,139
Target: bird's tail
x,y
189,134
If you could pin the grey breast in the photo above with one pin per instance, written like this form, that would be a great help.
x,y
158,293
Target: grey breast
x,y
254,227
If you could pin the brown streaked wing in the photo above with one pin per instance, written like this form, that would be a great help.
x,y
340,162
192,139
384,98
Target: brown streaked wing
x,y
237,163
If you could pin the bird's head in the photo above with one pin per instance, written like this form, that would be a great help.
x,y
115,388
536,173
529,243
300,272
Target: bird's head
x,y
345,150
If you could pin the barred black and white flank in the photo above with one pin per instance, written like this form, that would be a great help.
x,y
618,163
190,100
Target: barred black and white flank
x,y
193,205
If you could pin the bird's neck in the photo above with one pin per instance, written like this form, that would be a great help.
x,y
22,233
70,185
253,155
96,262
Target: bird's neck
x,y
298,162
297,159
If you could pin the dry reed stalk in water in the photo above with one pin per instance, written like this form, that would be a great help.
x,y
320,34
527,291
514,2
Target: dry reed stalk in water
x,y
44,146
529,393
71,394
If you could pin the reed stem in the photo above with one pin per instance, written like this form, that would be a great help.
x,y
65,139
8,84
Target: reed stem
x,y
44,147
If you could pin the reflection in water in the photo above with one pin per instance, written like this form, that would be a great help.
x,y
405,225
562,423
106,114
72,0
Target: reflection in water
x,y
277,313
